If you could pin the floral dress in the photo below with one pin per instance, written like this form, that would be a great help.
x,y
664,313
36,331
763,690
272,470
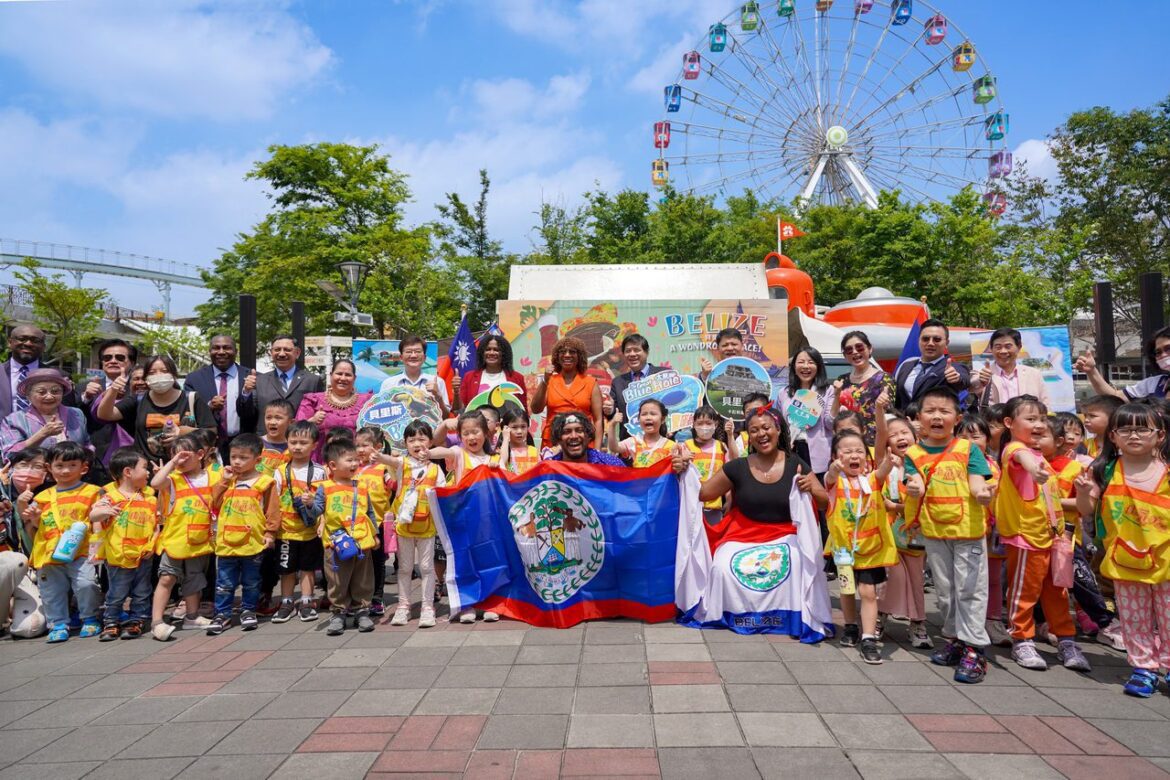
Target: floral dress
x,y
862,399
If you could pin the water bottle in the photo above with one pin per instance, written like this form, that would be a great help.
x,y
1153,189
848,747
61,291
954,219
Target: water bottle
x,y
69,542
844,561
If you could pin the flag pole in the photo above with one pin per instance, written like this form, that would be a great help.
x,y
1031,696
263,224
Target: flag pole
x,y
779,235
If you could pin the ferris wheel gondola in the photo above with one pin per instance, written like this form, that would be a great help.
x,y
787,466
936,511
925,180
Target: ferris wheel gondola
x,y
834,102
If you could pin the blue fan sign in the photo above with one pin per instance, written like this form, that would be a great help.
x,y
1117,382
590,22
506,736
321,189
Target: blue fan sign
x,y
393,410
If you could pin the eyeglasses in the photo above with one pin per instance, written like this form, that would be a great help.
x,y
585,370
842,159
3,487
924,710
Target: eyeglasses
x,y
931,339
117,358
1130,432
850,349
27,339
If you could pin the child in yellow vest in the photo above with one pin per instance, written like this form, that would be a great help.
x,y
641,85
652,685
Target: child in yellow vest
x,y
946,492
517,454
278,416
248,520
378,480
184,488
128,513
299,553
413,524
1097,411
1027,512
46,518
709,455
649,447
859,535
344,509
1128,493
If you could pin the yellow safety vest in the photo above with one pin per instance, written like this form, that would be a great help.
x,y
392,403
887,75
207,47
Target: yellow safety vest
x,y
708,464
948,510
186,529
1064,485
373,477
858,522
1137,530
1015,516
130,533
240,529
347,508
421,525
59,511
292,527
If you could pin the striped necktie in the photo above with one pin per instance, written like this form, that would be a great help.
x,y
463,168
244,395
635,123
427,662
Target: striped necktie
x,y
20,402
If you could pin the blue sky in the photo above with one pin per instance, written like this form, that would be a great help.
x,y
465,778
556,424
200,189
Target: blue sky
x,y
129,125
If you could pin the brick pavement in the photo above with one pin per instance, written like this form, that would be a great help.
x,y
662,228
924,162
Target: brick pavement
x,y
613,698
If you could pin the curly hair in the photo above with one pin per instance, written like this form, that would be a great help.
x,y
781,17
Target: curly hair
x,y
563,419
505,352
574,345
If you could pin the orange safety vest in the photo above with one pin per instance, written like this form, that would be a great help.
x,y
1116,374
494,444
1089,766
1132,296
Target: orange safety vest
x,y
948,510
858,523
240,530
130,533
186,531
1136,526
58,512
347,508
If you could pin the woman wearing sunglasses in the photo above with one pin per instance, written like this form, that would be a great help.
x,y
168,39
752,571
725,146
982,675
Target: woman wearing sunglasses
x,y
1156,386
858,391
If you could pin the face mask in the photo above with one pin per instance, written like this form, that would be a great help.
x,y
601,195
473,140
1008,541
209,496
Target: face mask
x,y
160,382
1164,362
705,430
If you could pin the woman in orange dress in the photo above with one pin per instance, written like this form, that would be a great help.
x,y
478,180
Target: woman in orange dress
x,y
567,388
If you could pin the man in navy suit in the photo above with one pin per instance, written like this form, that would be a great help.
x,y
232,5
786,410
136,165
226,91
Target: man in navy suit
x,y
636,351
285,381
26,345
934,369
222,384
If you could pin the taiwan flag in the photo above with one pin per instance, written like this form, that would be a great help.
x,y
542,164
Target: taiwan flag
x,y
564,542
460,358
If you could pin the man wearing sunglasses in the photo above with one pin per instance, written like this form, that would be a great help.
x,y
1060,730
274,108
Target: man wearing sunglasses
x,y
115,357
934,369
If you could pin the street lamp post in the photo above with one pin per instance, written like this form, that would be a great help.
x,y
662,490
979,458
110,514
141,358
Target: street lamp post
x,y
353,274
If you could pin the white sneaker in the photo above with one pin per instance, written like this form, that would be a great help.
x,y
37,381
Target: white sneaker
x,y
918,636
1069,654
198,622
1112,636
427,619
1025,654
162,631
401,617
998,634
490,617
467,616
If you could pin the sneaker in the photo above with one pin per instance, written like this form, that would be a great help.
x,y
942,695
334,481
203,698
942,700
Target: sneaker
x,y
306,612
198,622
285,612
401,617
1085,623
248,621
365,623
219,624
162,631
1069,653
110,632
467,616
949,654
1110,636
972,668
1025,654
89,628
880,630
60,633
997,633
377,608
851,635
336,625
132,629
869,651
918,636
426,619
1142,683
490,617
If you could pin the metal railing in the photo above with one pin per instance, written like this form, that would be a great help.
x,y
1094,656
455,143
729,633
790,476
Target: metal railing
x,y
149,267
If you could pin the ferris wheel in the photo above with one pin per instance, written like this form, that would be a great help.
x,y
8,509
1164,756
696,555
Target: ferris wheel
x,y
833,102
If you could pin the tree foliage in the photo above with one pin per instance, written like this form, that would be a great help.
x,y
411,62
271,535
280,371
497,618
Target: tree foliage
x,y
69,316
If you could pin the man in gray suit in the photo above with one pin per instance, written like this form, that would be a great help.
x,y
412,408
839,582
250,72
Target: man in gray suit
x,y
285,381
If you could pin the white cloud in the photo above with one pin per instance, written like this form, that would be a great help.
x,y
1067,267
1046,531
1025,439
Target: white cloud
x,y
513,99
1038,157
178,58
663,69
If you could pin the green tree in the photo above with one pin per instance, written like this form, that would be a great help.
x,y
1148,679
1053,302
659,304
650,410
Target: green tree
x,y
69,316
478,259
330,203
562,234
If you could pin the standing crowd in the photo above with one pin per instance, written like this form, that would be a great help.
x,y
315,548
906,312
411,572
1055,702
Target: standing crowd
x,y
130,505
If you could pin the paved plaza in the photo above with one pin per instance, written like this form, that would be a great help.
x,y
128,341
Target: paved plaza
x,y
505,700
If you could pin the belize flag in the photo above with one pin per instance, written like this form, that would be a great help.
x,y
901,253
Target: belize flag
x,y
563,543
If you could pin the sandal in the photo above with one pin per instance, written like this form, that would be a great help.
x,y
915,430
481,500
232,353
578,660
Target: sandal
x,y
60,633
90,628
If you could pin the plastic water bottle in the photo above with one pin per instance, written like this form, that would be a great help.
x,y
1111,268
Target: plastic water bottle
x,y
69,542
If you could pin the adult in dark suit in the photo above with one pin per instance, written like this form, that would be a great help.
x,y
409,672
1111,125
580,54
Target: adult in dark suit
x,y
222,383
934,369
284,382
26,345
636,352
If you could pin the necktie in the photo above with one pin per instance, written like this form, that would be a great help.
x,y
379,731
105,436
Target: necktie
x,y
20,401
286,380
223,379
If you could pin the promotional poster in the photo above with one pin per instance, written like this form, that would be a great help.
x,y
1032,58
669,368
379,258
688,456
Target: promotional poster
x,y
1046,349
376,360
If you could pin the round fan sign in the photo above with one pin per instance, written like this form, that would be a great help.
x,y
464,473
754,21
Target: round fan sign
x,y
734,379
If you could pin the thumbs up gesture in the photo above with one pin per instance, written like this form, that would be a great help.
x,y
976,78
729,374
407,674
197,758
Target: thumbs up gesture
x,y
952,374
250,381
805,482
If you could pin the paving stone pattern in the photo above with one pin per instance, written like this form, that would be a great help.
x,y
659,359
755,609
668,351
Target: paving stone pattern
x,y
614,698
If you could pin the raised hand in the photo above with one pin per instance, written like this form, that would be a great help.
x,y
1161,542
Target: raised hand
x,y
952,374
118,386
318,417
250,381
607,405
1087,362
93,389
705,364
883,400
804,481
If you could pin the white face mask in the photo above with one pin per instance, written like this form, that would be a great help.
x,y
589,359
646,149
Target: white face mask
x,y
160,382
1164,362
705,430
